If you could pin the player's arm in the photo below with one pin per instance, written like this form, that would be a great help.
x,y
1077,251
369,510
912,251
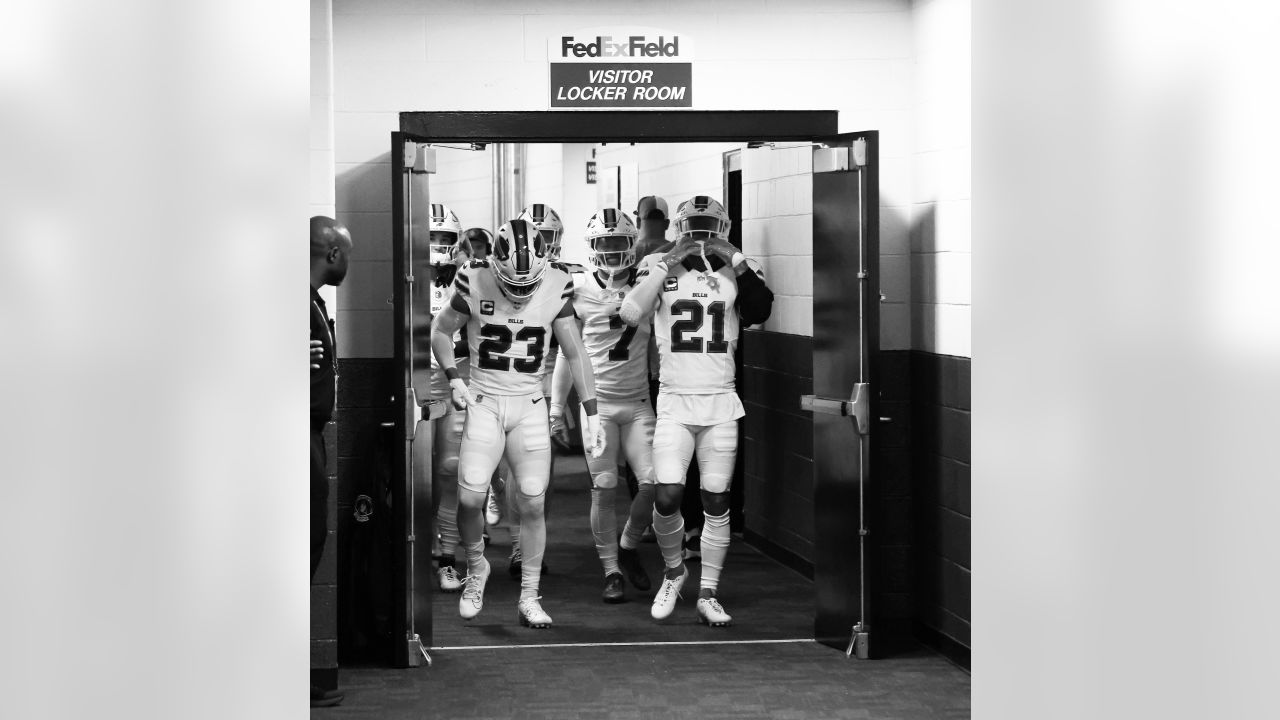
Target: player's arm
x,y
447,323
642,301
565,328
755,299
561,381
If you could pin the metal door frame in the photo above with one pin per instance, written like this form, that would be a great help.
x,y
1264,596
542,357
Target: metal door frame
x,y
746,126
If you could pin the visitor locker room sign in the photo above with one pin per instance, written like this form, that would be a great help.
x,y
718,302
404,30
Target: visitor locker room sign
x,y
621,68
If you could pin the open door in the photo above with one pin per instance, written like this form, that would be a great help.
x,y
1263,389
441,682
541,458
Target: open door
x,y
845,337
411,481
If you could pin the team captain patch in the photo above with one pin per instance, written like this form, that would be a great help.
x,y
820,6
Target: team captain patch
x,y
671,284
486,307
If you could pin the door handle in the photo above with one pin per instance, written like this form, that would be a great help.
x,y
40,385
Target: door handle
x,y
858,406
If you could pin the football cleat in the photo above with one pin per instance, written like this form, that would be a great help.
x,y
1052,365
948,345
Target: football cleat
x,y
472,600
710,612
492,513
532,614
630,562
449,580
665,601
613,589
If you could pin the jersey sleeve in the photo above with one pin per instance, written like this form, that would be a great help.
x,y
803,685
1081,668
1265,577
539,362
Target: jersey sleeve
x,y
755,299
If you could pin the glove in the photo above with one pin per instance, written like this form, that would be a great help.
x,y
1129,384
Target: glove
x,y
595,436
557,419
462,396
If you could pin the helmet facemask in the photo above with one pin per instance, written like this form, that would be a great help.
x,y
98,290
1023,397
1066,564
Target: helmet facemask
x,y
519,260
613,254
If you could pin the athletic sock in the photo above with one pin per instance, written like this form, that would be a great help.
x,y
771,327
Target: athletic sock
x,y
447,519
604,528
641,516
669,530
475,557
533,542
715,546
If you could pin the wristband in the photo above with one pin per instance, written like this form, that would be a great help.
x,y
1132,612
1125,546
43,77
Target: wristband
x,y
589,406
556,409
451,373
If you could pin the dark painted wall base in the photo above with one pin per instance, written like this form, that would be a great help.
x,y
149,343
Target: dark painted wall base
x,y
945,645
782,555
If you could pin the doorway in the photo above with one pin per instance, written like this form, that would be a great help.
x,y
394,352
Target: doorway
x,y
769,130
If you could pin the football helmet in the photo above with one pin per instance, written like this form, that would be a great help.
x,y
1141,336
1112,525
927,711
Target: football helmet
x,y
611,237
547,221
519,259
704,216
480,242
445,231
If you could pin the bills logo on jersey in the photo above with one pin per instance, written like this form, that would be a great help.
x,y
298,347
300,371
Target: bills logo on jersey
x,y
486,307
671,284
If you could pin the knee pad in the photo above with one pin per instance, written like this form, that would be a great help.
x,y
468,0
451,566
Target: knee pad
x,y
718,451
672,451
604,480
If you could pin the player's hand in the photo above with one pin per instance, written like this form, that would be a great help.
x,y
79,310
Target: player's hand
x,y
557,420
721,247
684,247
317,354
462,395
595,436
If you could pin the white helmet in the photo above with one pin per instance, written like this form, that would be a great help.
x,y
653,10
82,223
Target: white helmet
x,y
445,231
519,259
604,229
702,214
547,221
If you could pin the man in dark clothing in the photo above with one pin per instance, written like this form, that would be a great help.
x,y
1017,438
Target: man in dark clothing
x,y
330,250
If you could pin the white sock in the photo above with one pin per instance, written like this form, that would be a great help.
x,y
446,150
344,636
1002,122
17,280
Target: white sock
x,y
604,527
669,530
715,546
447,520
533,542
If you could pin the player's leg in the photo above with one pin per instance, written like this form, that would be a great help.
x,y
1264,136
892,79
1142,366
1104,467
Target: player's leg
x,y
717,450
673,445
444,484
483,441
528,448
637,447
692,510
604,487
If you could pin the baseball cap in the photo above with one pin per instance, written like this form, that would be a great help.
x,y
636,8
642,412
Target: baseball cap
x,y
648,204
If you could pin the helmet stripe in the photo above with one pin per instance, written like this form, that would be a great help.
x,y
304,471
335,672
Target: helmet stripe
x,y
520,249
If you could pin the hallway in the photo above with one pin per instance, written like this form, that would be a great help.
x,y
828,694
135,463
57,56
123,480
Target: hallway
x,y
614,661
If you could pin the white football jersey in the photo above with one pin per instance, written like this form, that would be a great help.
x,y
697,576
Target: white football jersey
x,y
696,326
619,353
509,344
439,383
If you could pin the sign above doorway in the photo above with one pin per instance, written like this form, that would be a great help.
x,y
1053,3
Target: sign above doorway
x,y
621,67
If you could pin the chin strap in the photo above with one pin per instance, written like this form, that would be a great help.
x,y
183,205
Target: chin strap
x,y
708,275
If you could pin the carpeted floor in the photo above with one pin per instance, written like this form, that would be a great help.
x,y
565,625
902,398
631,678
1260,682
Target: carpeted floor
x,y
614,661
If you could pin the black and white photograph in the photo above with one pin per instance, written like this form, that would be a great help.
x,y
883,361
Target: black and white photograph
x,y
877,359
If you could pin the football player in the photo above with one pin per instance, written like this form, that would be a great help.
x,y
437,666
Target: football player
x,y
547,222
620,363
448,249
699,293
512,304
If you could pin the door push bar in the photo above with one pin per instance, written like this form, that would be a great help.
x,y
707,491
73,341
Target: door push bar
x,y
858,406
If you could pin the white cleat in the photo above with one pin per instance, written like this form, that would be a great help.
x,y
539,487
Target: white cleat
x,y
710,612
472,600
492,513
665,601
449,580
532,615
